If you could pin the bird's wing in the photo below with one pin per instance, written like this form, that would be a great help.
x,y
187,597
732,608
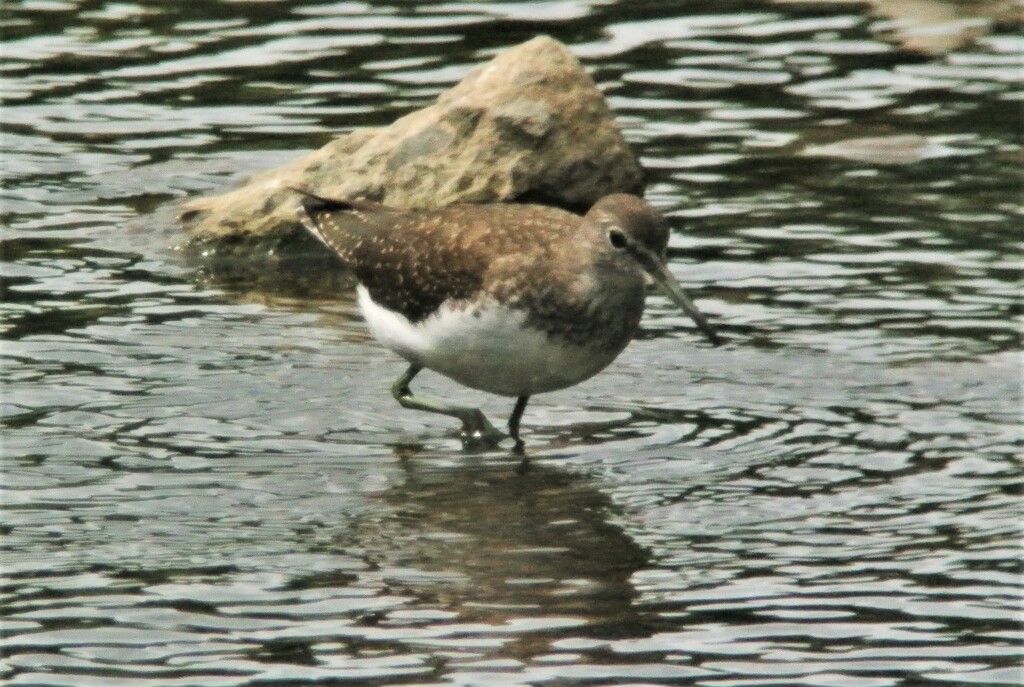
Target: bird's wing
x,y
409,261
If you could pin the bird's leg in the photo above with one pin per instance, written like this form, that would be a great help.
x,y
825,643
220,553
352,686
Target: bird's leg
x,y
474,424
513,423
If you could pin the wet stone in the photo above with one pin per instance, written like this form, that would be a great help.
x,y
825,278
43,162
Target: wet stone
x,y
528,125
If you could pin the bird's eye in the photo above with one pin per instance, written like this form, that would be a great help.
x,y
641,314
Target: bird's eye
x,y
617,238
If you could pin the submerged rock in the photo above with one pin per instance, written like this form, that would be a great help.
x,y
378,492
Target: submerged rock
x,y
901,149
530,125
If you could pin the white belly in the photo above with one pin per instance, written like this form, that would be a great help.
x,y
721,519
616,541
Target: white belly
x,y
492,350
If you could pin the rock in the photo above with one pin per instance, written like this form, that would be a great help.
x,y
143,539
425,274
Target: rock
x,y
530,125
939,27
900,149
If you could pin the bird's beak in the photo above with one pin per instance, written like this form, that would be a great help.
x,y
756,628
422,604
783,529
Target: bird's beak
x,y
664,279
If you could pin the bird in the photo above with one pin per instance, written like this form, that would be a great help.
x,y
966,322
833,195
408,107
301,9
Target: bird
x,y
507,298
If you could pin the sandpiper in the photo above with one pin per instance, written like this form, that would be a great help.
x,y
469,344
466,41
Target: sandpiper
x,y
510,299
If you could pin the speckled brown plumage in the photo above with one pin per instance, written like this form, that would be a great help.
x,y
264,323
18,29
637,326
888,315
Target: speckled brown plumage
x,y
557,267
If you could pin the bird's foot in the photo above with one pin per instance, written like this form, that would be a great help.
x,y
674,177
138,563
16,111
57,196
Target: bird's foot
x,y
478,432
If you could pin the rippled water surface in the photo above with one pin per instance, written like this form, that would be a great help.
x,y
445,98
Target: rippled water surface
x,y
206,481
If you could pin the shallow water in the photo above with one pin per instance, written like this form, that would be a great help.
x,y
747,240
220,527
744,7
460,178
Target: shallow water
x,y
207,482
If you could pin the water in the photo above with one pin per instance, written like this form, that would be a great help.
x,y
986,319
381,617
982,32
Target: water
x,y
206,481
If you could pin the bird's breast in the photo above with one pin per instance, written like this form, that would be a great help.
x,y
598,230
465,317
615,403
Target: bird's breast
x,y
487,345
